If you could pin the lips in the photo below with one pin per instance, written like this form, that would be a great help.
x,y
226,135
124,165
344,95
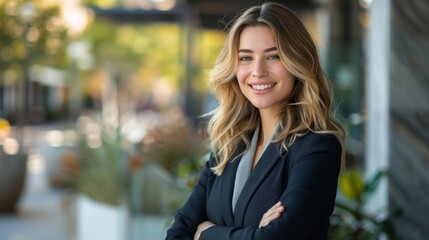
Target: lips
x,y
261,87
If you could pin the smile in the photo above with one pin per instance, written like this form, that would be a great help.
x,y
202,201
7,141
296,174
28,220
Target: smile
x,y
262,86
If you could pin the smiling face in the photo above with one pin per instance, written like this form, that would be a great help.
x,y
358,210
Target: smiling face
x,y
262,77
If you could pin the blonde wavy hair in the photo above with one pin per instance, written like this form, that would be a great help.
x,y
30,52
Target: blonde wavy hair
x,y
309,106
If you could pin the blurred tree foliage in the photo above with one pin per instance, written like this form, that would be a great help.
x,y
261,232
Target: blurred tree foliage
x,y
101,3
135,49
135,55
31,31
141,53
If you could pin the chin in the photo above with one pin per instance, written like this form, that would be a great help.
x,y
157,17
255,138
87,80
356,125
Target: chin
x,y
261,106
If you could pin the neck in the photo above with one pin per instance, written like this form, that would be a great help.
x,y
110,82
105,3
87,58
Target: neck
x,y
268,124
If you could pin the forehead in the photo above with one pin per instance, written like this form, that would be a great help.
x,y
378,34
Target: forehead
x,y
256,36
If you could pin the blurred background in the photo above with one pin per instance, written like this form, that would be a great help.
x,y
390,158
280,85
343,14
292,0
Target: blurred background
x,y
100,134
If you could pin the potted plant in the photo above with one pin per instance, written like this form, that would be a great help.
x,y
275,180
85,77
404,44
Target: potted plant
x,y
173,153
350,220
102,209
13,169
175,145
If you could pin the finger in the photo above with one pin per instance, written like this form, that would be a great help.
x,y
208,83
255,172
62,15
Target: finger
x,y
273,210
271,215
276,208
267,220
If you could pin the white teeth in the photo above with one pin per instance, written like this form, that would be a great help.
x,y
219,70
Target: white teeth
x,y
262,87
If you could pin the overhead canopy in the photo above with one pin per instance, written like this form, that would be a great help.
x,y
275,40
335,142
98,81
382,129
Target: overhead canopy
x,y
207,13
212,12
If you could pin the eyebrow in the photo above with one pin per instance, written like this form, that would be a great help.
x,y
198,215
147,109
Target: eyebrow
x,y
250,51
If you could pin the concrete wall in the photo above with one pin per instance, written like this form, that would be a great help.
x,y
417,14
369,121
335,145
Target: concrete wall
x,y
409,116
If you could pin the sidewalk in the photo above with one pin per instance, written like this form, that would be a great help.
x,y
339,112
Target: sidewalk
x,y
40,215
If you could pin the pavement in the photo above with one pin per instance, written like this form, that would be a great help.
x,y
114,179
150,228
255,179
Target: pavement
x,y
40,214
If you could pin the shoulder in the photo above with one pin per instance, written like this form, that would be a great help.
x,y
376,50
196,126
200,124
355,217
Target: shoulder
x,y
316,143
211,160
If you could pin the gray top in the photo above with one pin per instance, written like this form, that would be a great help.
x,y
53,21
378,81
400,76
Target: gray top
x,y
245,167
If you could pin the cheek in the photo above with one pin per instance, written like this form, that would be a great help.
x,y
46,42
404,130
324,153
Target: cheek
x,y
281,71
241,74
287,77
240,79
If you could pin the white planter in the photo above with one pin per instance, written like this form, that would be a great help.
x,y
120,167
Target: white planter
x,y
97,220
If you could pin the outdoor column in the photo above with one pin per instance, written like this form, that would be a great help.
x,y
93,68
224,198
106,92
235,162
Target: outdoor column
x,y
377,99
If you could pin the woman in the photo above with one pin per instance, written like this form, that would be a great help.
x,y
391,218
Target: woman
x,y
276,149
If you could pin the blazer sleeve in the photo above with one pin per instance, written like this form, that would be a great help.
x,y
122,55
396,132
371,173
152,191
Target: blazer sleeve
x,y
193,211
308,198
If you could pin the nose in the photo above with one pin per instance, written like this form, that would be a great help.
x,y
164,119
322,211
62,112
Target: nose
x,y
259,69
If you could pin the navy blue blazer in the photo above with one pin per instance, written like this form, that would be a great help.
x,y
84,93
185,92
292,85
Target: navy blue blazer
x,y
304,179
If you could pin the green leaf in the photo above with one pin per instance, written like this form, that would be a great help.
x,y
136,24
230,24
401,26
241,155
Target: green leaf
x,y
373,183
351,185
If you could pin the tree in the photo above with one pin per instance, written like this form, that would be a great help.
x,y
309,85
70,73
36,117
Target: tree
x,y
31,33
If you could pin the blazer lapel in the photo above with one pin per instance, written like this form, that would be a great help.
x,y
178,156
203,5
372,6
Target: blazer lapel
x,y
227,185
226,191
264,166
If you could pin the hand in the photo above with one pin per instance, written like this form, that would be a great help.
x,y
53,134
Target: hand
x,y
203,226
272,214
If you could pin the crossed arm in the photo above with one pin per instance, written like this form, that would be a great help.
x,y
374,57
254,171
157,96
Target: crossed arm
x,y
305,207
272,214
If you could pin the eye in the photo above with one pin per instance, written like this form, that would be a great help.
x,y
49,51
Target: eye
x,y
245,58
272,57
